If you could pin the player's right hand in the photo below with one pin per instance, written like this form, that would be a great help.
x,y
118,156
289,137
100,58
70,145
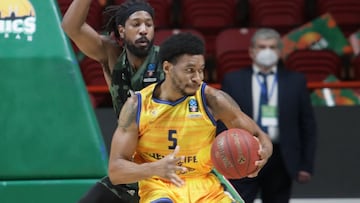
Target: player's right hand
x,y
168,167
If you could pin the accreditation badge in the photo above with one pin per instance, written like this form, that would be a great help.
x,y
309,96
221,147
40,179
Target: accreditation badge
x,y
269,115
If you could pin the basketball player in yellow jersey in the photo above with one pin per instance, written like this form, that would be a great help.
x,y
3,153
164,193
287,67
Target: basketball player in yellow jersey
x,y
165,131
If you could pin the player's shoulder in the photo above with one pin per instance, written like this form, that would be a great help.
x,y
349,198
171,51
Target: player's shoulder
x,y
212,94
218,101
132,100
129,109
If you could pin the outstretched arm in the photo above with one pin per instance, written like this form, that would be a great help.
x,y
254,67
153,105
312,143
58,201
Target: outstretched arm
x,y
86,38
224,108
121,168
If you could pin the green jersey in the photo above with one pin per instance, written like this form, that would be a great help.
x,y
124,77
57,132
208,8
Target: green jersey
x,y
124,79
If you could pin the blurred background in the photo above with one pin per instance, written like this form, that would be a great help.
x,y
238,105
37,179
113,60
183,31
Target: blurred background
x,y
56,116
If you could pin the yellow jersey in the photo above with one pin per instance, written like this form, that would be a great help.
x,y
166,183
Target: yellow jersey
x,y
188,123
185,122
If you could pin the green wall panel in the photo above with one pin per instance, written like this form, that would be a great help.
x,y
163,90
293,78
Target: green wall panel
x,y
48,129
46,191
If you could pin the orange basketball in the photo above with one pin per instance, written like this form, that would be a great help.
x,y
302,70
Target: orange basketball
x,y
234,153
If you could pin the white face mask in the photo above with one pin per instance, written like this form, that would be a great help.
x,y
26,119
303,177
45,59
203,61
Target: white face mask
x,y
266,57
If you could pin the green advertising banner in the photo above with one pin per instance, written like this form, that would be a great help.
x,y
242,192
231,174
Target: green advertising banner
x,y
321,33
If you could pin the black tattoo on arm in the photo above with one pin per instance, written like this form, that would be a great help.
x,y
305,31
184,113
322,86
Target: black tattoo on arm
x,y
128,114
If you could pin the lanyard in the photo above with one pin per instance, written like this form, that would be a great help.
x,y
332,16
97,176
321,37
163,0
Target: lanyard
x,y
262,85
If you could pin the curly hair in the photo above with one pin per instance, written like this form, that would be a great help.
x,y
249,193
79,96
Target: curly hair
x,y
118,14
180,44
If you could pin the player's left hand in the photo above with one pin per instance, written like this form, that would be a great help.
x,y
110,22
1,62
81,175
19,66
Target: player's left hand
x,y
264,154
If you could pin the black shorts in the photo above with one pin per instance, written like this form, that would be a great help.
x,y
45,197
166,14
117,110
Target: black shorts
x,y
105,192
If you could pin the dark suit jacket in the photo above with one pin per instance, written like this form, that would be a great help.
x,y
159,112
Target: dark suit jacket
x,y
297,128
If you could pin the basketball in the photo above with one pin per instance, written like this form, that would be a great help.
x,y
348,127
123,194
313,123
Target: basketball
x,y
234,153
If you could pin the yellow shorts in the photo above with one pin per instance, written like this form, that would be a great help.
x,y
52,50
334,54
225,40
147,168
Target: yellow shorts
x,y
206,188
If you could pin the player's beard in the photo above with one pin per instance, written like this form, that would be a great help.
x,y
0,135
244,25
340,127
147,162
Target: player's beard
x,y
140,52
181,87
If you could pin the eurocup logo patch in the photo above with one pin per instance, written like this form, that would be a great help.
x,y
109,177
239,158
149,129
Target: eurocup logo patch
x,y
150,69
193,105
149,75
17,19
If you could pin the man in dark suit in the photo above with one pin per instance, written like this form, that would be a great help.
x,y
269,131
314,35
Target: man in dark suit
x,y
279,101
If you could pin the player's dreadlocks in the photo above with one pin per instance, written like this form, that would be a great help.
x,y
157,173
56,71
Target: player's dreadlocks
x,y
118,14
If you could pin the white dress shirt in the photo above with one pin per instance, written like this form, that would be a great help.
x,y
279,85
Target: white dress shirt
x,y
272,88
